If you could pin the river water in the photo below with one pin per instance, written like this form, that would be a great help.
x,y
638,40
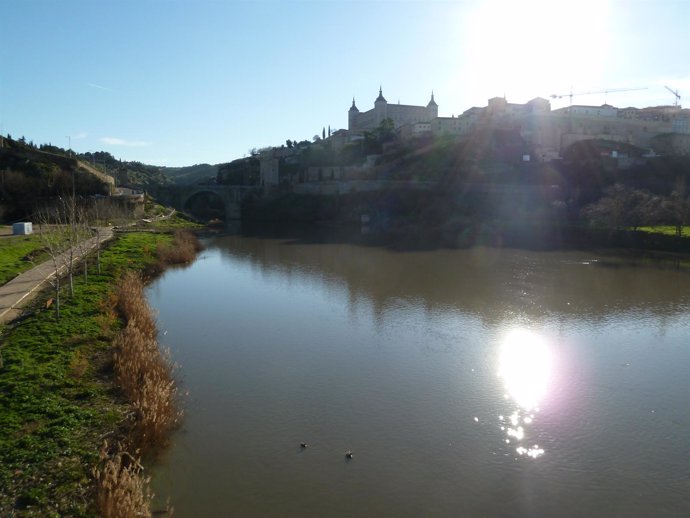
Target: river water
x,y
480,382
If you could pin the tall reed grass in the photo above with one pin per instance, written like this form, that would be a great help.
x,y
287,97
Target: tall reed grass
x,y
143,370
122,490
182,250
144,373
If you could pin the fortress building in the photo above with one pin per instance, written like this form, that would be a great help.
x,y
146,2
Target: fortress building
x,y
663,129
400,114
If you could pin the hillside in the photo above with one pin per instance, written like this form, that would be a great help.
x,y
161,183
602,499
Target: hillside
x,y
190,174
102,165
29,175
127,174
143,176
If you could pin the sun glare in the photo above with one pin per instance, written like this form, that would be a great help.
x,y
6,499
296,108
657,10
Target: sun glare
x,y
536,47
525,367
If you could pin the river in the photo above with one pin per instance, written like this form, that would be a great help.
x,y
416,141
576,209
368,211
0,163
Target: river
x,y
481,382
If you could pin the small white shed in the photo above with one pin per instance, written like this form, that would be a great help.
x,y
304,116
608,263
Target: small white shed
x,y
22,229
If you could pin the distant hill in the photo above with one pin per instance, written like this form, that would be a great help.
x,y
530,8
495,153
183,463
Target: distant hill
x,y
144,176
127,174
190,174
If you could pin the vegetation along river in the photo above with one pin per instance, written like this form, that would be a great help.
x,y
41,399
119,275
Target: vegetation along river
x,y
480,382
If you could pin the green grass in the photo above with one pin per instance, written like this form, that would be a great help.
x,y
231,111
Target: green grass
x,y
176,222
57,398
665,229
18,254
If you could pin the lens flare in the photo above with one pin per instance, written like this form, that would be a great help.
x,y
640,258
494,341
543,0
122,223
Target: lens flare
x,y
525,367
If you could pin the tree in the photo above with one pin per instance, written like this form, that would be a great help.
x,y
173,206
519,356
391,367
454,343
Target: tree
x,y
678,206
52,233
97,223
386,130
374,139
85,236
622,207
62,232
68,207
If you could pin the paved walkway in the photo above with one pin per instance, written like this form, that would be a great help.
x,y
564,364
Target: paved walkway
x,y
22,289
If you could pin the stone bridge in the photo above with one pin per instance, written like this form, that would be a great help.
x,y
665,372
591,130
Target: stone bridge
x,y
231,196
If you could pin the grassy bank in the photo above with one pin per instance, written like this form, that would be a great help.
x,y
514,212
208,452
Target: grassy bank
x,y
666,230
18,254
59,396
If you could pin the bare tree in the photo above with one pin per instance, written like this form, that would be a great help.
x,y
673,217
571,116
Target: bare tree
x,y
97,224
53,235
68,209
63,233
84,235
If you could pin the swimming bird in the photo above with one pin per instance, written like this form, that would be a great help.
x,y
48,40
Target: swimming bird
x,y
348,454
303,445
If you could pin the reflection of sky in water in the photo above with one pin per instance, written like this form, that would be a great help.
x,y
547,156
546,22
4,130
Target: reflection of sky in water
x,y
525,366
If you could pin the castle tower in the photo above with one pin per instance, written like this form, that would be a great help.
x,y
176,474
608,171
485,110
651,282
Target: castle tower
x,y
352,115
432,108
380,107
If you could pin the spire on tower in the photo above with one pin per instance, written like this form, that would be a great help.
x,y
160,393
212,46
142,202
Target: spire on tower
x,y
380,97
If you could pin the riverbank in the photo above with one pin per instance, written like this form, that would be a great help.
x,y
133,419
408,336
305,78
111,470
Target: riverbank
x,y
58,391
22,289
18,253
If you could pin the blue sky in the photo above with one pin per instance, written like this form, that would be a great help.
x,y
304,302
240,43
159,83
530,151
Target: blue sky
x,y
182,82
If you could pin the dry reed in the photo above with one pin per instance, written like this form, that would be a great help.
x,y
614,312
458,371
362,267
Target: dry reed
x,y
144,372
182,250
122,490
131,304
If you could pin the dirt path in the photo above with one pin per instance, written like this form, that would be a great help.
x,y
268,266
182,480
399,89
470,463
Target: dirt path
x,y
22,289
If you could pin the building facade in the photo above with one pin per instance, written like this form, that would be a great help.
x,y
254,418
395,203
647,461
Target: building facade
x,y
400,114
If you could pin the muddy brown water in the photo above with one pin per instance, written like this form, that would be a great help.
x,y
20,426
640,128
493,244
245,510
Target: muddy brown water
x,y
479,382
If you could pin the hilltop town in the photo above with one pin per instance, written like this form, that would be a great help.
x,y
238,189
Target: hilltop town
x,y
528,133
400,166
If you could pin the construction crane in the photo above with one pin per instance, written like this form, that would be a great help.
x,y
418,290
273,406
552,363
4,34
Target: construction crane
x,y
605,92
674,92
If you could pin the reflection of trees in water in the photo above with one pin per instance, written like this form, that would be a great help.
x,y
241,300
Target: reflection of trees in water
x,y
491,283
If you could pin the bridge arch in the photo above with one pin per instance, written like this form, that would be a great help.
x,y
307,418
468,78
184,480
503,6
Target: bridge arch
x,y
208,201
206,204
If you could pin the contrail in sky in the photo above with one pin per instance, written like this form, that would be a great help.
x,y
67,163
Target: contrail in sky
x,y
114,141
94,85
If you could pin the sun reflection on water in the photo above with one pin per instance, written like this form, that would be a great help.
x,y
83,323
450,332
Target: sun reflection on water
x,y
525,366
